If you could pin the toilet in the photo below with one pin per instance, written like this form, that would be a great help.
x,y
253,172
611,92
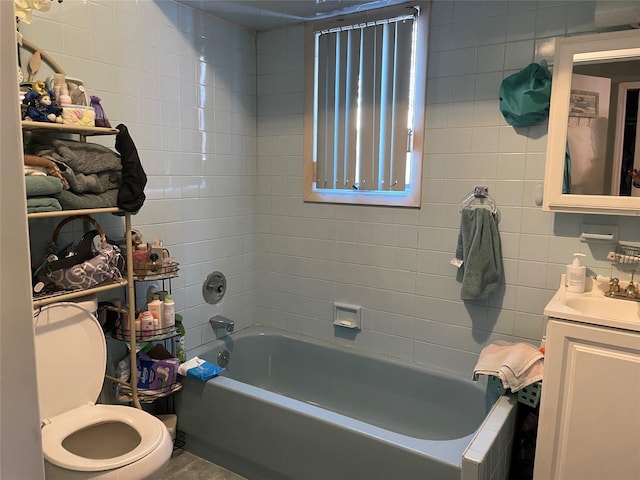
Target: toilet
x,y
82,439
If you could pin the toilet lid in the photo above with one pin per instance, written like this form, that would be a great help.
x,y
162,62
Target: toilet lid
x,y
71,357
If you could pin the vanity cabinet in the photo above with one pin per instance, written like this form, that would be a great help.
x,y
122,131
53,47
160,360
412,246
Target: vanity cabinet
x,y
589,425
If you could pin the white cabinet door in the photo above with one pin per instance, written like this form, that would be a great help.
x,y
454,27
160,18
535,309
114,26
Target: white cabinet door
x,y
590,412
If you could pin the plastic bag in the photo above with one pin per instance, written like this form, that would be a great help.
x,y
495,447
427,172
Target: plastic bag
x,y
101,117
525,96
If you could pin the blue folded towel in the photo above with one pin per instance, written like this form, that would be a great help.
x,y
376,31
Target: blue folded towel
x,y
479,248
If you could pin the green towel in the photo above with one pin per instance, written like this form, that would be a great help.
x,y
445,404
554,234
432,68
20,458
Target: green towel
x,y
77,201
479,247
42,185
42,204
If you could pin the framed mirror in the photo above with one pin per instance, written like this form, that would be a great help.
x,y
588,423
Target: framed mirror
x,y
593,144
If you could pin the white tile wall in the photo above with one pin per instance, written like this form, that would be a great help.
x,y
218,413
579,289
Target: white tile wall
x,y
395,263
216,113
185,85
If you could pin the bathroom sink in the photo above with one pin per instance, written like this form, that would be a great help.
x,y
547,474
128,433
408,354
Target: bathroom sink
x,y
603,306
594,307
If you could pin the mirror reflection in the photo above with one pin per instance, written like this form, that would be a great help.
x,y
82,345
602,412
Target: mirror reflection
x,y
603,138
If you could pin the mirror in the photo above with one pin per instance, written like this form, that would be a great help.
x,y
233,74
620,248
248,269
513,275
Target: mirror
x,y
593,144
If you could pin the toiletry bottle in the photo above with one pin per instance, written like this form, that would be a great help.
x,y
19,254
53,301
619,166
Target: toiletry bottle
x,y
146,324
138,329
168,312
576,275
179,340
155,307
64,99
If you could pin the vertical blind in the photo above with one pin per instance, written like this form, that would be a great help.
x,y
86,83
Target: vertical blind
x,y
363,89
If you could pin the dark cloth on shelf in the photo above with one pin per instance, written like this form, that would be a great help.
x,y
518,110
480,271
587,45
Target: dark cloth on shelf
x,y
131,195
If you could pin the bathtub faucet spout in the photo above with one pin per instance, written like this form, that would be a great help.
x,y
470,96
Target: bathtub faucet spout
x,y
218,321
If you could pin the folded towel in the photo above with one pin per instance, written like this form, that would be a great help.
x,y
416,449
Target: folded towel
x,y
516,364
73,201
533,374
39,186
50,167
93,182
35,170
43,204
479,248
83,157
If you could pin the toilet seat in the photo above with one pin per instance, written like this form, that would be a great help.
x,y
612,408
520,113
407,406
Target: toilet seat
x,y
70,365
147,426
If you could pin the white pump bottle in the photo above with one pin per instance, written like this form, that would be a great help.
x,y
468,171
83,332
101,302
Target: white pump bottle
x,y
576,275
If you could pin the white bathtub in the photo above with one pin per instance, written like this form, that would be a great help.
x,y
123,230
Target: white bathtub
x,y
292,407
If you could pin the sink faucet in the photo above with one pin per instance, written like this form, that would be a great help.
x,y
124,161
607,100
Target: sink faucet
x,y
631,290
218,321
614,288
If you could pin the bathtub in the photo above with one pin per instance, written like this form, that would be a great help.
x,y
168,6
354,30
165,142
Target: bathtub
x,y
289,407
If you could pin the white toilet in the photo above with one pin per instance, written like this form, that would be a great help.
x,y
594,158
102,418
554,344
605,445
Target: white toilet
x,y
81,439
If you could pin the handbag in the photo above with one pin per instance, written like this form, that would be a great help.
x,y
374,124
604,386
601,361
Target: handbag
x,y
88,264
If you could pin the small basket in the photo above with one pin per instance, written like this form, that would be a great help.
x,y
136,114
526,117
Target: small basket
x,y
530,395
625,254
494,384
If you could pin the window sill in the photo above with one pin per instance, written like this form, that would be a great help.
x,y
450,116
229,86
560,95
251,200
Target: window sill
x,y
409,200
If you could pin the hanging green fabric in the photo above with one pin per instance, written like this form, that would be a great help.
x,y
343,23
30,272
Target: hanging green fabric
x,y
566,179
525,96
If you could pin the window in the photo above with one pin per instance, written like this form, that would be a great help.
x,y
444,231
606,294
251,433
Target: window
x,y
364,116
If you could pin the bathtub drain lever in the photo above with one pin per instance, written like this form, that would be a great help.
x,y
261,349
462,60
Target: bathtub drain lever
x,y
218,321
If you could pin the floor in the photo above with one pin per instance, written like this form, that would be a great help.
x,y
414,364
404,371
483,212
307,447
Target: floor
x,y
186,466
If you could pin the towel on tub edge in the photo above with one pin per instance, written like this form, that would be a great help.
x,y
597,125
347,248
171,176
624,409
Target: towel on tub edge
x,y
516,364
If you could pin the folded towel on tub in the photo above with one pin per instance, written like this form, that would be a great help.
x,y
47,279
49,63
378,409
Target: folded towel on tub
x,y
516,364
480,250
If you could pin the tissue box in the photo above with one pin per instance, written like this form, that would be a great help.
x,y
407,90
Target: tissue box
x,y
79,115
156,374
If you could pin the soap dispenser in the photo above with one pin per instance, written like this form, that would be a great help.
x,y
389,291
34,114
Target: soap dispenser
x,y
575,275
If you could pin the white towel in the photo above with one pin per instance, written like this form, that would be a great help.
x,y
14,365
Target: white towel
x,y
533,374
516,364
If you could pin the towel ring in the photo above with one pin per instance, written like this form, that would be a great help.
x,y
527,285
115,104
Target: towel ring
x,y
479,198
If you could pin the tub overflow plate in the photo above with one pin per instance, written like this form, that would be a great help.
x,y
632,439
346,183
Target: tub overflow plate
x,y
223,358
